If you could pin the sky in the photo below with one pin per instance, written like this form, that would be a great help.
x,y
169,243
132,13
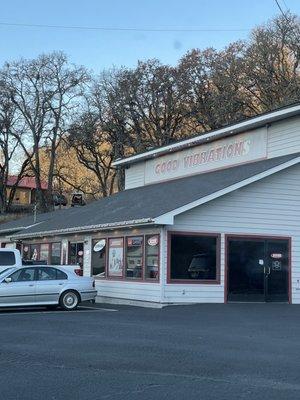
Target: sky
x,y
101,49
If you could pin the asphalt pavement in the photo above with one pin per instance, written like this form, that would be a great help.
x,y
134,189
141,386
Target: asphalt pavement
x,y
233,351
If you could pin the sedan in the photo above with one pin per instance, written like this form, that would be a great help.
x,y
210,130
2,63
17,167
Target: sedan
x,y
40,285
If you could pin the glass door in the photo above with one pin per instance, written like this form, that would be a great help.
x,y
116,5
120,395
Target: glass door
x,y
277,270
258,270
246,270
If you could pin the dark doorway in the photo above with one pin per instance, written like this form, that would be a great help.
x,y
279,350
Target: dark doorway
x,y
258,269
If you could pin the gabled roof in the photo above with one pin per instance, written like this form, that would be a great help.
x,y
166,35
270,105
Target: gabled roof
x,y
229,130
152,204
27,182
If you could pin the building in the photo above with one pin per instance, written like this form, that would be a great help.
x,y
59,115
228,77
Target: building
x,y
209,219
25,193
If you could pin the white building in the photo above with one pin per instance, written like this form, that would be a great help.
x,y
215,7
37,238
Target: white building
x,y
213,218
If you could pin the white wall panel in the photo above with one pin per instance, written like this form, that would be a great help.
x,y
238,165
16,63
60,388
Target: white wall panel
x,y
268,207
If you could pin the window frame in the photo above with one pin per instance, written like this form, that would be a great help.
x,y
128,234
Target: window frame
x,y
123,278
105,258
216,281
146,236
38,244
115,278
76,242
23,269
51,280
51,250
143,258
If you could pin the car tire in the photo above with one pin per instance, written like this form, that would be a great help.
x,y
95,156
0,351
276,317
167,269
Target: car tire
x,y
69,300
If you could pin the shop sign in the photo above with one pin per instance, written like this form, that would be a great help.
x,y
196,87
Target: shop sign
x,y
135,241
219,154
276,255
153,241
99,245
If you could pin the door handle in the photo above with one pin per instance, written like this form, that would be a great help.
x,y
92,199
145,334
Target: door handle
x,y
267,271
31,285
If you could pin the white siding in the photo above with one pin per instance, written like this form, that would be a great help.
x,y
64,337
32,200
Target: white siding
x,y
142,291
129,290
284,137
268,207
87,255
135,175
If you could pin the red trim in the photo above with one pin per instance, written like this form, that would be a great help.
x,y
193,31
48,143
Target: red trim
x,y
216,281
159,258
123,278
125,257
257,237
38,244
70,242
118,278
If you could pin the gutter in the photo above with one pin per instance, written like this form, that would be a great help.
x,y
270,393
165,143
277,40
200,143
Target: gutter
x,y
19,228
79,229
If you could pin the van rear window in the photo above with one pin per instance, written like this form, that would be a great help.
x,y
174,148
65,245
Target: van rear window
x,y
7,258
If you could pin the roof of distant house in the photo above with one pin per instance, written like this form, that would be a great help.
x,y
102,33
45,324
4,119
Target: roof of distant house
x,y
27,182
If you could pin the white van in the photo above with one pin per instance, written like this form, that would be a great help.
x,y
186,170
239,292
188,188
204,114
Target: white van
x,y
10,258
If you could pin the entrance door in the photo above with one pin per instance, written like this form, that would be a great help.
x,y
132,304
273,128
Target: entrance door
x,y
258,269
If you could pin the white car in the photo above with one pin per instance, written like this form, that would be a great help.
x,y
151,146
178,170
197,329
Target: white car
x,y
45,285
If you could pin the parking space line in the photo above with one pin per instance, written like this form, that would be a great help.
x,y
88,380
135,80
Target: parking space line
x,y
23,312
94,308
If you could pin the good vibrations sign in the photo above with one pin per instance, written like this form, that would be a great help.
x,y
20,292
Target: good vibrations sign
x,y
222,153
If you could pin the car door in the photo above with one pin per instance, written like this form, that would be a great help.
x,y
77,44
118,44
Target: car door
x,y
19,289
50,284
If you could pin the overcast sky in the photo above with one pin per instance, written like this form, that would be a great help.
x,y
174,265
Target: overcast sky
x,y
99,49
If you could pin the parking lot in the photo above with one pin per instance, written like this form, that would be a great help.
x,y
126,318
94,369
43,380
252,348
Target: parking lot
x,y
234,351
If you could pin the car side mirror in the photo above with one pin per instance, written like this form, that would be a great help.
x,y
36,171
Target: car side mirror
x,y
7,280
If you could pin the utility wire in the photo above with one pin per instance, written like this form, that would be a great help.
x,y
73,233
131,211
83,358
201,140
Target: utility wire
x,y
101,28
287,20
281,10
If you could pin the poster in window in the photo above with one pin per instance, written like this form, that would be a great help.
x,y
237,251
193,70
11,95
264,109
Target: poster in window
x,y
116,257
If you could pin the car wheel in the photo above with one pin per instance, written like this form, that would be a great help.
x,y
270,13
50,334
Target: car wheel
x,y
69,300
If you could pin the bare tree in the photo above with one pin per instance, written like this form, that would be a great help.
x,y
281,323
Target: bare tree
x,y
210,81
94,151
44,92
271,74
8,151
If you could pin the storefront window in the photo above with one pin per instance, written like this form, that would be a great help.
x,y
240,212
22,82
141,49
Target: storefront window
x,y
134,257
44,252
55,253
193,257
98,257
34,252
26,252
115,257
76,253
152,257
